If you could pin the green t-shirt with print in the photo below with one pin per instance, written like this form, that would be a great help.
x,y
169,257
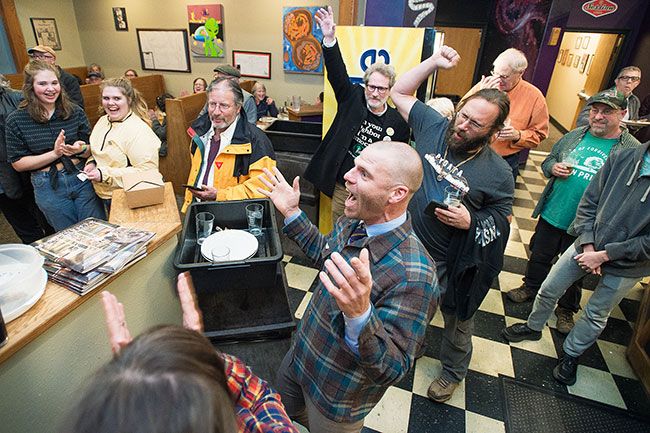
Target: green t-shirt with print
x,y
589,156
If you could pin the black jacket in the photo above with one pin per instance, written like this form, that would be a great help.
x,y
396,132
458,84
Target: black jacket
x,y
352,111
474,259
71,85
9,179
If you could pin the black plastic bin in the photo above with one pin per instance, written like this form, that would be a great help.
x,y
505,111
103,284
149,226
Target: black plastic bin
x,y
292,136
239,300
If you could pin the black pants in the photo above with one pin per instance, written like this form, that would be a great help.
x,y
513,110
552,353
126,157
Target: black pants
x,y
546,245
25,218
513,162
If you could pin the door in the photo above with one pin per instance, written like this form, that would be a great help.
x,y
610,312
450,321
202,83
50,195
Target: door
x,y
582,68
467,42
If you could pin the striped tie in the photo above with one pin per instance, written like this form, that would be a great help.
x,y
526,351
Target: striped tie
x,y
358,233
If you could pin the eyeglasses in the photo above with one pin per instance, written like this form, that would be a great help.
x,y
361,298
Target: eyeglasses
x,y
605,111
473,123
629,78
503,77
379,89
42,56
221,106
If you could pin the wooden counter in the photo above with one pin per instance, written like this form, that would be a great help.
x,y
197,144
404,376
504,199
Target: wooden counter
x,y
61,340
306,113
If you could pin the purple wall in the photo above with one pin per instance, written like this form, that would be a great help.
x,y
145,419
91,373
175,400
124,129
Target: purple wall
x,y
393,13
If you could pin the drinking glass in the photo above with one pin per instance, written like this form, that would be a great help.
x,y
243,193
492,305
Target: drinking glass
x,y
204,223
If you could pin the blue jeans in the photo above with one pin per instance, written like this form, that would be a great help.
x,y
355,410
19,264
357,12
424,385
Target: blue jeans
x,y
608,293
71,202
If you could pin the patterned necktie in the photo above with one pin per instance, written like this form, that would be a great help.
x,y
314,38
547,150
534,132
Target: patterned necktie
x,y
358,233
215,143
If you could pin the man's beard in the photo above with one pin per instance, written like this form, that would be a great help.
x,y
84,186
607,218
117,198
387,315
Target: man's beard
x,y
464,146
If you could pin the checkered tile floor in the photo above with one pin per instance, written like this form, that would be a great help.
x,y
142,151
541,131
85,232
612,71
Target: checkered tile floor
x,y
603,375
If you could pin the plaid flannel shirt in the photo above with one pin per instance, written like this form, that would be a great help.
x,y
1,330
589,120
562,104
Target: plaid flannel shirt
x,y
344,386
259,408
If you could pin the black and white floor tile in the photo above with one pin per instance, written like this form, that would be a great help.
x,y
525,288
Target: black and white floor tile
x,y
604,374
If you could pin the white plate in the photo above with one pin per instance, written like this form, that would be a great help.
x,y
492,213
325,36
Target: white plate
x,y
242,244
267,119
13,307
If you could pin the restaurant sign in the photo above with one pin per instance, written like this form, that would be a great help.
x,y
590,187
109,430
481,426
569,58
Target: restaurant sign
x,y
599,8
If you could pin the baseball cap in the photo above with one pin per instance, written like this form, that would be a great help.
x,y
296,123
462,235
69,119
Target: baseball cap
x,y
611,98
41,49
228,70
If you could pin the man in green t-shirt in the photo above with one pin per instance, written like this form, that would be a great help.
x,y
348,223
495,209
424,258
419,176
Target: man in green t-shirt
x,y
572,163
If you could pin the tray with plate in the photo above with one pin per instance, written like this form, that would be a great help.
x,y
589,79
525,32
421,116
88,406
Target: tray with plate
x,y
241,245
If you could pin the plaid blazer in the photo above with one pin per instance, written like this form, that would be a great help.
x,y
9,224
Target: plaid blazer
x,y
405,293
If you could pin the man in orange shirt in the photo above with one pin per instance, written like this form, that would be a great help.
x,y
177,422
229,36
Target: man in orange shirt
x,y
527,124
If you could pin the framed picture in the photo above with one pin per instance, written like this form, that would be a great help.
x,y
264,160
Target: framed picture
x,y
569,60
302,51
46,32
583,63
119,16
559,56
589,62
578,42
565,54
585,42
252,63
206,25
164,50
576,61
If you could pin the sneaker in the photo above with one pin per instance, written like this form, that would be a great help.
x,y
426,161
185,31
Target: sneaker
x,y
441,390
521,294
520,332
566,369
564,320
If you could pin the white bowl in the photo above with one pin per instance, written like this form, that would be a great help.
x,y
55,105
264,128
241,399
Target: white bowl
x,y
21,278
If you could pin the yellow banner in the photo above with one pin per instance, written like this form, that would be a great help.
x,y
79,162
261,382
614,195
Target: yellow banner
x,y
400,47
360,47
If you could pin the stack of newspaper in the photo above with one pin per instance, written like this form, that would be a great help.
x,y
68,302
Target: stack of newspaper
x,y
85,254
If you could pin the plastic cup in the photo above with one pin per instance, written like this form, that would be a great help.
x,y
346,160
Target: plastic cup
x,y
220,253
453,196
254,213
204,223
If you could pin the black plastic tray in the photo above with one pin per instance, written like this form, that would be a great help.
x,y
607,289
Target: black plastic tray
x,y
292,136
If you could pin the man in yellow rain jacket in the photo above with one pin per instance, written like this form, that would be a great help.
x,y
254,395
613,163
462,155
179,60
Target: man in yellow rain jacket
x,y
228,153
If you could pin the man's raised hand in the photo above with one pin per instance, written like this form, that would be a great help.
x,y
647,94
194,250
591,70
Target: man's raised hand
x,y
446,57
285,197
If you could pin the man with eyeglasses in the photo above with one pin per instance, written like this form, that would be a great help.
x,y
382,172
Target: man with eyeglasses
x,y
527,124
572,163
363,117
626,81
228,153
466,239
68,81
612,225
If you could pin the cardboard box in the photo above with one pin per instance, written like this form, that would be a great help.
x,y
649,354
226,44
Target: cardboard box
x,y
144,188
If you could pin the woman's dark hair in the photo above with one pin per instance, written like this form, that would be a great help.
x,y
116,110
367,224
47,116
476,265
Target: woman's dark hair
x,y
167,380
34,107
205,83
160,100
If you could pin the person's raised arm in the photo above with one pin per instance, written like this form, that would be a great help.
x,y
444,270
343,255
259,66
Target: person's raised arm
x,y
325,19
403,91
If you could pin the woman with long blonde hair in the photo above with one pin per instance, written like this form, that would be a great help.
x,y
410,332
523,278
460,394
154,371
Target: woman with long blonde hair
x,y
122,140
